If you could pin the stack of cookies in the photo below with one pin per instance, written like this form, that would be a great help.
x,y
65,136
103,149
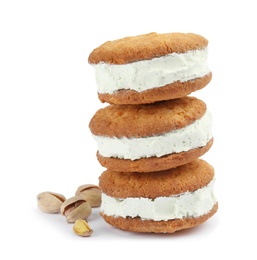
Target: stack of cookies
x,y
152,133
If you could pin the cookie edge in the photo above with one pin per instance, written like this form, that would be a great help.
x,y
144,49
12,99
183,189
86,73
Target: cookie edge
x,y
153,163
174,90
151,226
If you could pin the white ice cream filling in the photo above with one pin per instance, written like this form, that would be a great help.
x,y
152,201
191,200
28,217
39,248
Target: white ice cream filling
x,y
184,205
147,74
195,135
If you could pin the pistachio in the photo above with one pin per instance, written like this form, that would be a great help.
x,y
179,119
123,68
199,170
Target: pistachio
x,y
50,202
75,208
82,228
90,192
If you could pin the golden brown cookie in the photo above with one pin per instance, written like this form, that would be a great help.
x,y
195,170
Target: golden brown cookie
x,y
159,202
145,47
150,67
152,137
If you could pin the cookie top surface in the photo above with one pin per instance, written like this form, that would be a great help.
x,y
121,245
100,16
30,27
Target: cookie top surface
x,y
188,177
146,119
145,47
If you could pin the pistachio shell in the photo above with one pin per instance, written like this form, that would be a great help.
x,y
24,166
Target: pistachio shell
x,y
90,192
75,208
50,202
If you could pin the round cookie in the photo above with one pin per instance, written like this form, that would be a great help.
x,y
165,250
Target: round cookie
x,y
151,137
162,202
150,67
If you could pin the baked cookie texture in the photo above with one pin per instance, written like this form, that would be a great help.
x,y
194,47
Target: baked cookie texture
x,y
146,119
151,67
145,47
152,137
176,183
152,134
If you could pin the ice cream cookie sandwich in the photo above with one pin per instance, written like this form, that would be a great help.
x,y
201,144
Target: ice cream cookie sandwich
x,y
166,202
152,137
150,67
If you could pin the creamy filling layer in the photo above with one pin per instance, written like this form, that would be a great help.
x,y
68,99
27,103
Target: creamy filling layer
x,y
184,205
195,135
148,74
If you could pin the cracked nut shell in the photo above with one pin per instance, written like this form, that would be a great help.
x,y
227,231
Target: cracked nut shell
x,y
90,192
50,202
75,208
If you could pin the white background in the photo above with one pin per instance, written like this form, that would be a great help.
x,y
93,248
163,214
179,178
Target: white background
x,y
48,95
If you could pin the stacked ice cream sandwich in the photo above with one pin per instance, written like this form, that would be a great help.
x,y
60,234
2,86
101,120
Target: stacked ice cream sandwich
x,y
152,134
